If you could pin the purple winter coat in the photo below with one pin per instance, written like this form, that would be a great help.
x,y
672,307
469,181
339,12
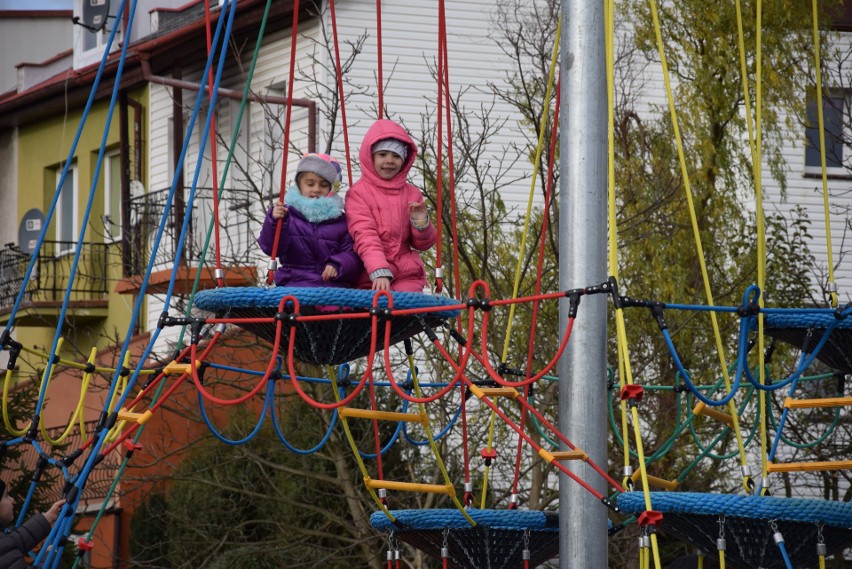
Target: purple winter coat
x,y
305,248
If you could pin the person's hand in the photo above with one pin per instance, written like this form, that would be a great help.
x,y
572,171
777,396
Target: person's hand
x,y
381,283
53,513
330,273
279,211
417,213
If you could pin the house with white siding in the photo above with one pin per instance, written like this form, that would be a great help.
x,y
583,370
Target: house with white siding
x,y
163,76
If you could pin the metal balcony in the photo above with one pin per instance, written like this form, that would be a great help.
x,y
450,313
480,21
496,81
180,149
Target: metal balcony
x,y
48,284
240,218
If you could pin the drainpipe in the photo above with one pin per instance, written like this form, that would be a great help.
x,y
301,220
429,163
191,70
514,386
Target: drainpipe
x,y
238,96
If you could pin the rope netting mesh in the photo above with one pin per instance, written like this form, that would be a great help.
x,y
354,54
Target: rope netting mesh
x,y
748,525
501,539
340,331
335,326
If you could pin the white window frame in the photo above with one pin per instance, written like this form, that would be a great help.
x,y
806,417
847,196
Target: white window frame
x,y
811,147
112,211
71,178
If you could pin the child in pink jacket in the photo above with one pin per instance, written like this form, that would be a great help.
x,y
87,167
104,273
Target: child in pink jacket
x,y
386,215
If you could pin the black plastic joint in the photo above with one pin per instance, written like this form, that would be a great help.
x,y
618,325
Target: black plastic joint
x,y
102,421
90,368
380,313
195,330
573,303
71,494
485,305
124,371
750,309
68,460
610,504
32,433
657,311
430,332
99,458
164,320
6,340
613,291
110,422
473,302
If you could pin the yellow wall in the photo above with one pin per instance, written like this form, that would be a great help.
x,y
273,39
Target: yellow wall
x,y
43,147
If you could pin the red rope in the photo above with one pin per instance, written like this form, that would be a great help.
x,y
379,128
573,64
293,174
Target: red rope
x,y
339,71
539,272
285,149
439,148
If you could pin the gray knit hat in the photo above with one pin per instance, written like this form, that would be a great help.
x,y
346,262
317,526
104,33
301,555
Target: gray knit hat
x,y
323,166
394,145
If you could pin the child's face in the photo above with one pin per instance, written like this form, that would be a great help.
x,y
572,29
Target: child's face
x,y
313,186
387,164
7,510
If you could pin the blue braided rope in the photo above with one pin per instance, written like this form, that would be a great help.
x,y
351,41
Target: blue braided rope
x,y
452,519
817,320
838,514
257,297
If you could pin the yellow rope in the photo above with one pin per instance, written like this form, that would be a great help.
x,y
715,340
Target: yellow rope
x,y
6,421
77,416
754,140
76,365
363,467
821,121
489,446
720,349
761,231
538,151
431,438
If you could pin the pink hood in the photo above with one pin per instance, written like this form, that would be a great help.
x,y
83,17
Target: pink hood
x,y
380,130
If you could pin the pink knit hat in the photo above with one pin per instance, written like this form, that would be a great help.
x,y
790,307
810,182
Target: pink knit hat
x,y
323,166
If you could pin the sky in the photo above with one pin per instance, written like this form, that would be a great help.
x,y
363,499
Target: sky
x,y
36,4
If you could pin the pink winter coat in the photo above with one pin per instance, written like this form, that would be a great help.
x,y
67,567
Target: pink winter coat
x,y
377,214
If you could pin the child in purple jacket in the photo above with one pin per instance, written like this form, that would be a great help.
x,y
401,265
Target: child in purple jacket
x,y
314,247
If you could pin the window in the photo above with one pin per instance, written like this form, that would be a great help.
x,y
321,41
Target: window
x,y
90,38
112,196
833,108
66,211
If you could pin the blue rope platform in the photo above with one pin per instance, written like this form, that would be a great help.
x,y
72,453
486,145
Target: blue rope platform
x,y
748,524
325,341
496,542
804,331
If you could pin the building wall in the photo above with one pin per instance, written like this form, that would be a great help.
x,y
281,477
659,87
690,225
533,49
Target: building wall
x,y
17,30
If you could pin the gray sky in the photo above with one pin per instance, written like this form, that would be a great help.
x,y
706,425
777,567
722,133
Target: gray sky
x,y
36,4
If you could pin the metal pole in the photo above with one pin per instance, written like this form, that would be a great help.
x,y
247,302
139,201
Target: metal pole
x,y
582,262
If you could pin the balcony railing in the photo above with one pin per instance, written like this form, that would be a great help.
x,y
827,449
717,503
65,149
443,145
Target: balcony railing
x,y
49,279
240,217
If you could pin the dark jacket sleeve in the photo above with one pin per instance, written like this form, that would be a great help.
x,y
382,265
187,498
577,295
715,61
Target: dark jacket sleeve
x,y
15,544
347,262
267,234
